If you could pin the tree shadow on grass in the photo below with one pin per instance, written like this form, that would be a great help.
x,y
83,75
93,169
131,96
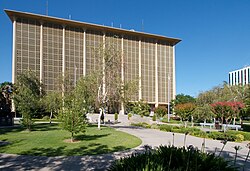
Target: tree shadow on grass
x,y
91,149
45,127
89,137
5,130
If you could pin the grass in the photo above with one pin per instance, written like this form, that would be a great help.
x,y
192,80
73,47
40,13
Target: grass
x,y
48,140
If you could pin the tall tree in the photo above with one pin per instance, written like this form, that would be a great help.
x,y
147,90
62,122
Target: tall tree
x,y
76,105
184,110
182,98
27,97
113,92
203,113
53,102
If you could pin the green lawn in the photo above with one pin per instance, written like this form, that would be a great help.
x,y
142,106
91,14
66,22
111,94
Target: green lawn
x,y
48,140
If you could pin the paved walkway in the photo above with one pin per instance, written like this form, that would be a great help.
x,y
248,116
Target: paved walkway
x,y
102,162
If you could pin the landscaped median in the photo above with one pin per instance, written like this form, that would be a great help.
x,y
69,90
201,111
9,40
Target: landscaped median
x,y
50,140
229,135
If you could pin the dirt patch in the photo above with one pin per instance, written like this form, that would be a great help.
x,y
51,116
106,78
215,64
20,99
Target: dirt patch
x,y
69,141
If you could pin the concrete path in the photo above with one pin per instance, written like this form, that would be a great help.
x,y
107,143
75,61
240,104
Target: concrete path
x,y
150,137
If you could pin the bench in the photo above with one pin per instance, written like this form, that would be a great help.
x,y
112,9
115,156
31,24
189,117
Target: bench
x,y
236,127
211,125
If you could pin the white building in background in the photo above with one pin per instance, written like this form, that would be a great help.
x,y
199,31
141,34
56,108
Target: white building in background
x,y
240,76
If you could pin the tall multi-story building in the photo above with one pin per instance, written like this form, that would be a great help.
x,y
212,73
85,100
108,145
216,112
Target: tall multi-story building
x,y
240,76
52,46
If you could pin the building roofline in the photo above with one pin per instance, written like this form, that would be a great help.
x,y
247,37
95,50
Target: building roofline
x,y
12,13
245,67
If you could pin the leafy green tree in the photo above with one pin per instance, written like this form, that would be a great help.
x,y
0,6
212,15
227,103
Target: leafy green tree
x,y
182,98
246,101
184,111
203,113
76,105
141,108
53,102
161,111
27,97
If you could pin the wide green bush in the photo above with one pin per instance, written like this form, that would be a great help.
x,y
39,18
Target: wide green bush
x,y
229,135
172,159
161,111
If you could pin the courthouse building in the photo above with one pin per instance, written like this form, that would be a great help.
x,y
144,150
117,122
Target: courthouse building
x,y
51,46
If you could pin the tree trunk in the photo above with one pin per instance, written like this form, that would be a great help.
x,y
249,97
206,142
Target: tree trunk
x,y
99,119
72,137
50,118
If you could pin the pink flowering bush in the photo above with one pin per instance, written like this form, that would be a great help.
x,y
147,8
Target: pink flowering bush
x,y
227,110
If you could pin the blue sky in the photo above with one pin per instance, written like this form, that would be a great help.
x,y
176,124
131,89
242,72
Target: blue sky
x,y
215,34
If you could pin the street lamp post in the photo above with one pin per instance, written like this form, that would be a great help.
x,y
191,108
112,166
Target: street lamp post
x,y
169,98
75,76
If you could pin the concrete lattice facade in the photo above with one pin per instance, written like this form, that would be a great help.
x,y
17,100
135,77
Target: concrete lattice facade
x,y
52,46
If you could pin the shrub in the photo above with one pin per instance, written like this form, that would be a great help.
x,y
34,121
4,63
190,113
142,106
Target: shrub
x,y
161,111
239,138
165,127
116,116
154,118
142,124
129,116
140,108
46,118
229,135
172,158
154,126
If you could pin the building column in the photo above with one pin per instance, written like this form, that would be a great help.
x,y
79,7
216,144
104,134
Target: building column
x,y
63,59
156,77
84,52
14,51
140,84
122,76
13,109
234,76
41,51
103,67
229,79
174,79
247,76
240,79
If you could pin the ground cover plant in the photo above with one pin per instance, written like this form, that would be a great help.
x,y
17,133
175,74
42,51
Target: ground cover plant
x,y
172,158
49,140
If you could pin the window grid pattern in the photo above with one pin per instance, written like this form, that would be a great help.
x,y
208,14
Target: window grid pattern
x,y
28,56
131,61
148,69
52,56
170,69
94,41
73,53
162,59
27,46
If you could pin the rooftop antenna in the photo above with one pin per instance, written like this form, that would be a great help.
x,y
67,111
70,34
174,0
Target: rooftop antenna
x,y
142,25
47,7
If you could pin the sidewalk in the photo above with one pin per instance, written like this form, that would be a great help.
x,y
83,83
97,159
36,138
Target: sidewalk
x,y
150,137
